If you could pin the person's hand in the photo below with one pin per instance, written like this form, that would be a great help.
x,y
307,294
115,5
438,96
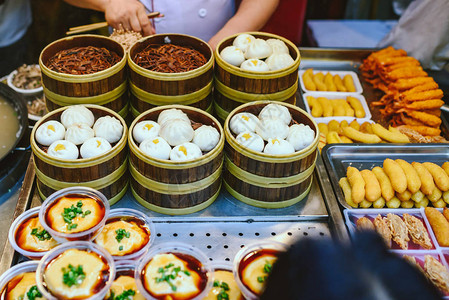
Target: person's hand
x,y
128,15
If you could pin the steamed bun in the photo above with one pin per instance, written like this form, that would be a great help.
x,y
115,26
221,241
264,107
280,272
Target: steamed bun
x,y
273,128
77,114
243,40
255,65
79,133
278,46
233,55
185,151
94,146
63,149
251,141
206,137
300,136
145,130
109,128
278,147
171,114
277,61
50,132
274,110
258,49
156,147
176,132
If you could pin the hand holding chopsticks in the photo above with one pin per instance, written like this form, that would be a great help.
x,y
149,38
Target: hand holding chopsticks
x,y
94,26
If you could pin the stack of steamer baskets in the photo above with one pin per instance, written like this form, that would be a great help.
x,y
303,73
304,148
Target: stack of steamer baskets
x,y
105,172
269,180
235,86
176,187
149,88
107,88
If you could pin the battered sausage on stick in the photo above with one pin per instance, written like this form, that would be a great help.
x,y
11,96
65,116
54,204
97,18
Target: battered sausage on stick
x,y
439,225
357,184
357,106
358,136
396,175
413,181
349,83
385,184
427,183
346,188
439,176
339,83
372,186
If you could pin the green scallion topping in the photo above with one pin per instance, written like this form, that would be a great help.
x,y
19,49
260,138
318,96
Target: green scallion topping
x,y
73,275
72,212
41,235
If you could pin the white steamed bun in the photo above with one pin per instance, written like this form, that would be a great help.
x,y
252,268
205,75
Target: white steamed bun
x,y
272,128
156,147
176,132
77,114
232,55
243,40
171,114
277,61
255,65
278,46
273,110
145,130
63,149
258,49
300,136
243,121
278,147
206,137
109,128
49,132
78,133
185,151
94,146
251,141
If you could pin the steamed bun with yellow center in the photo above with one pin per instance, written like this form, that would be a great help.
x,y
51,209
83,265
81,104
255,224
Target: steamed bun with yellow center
x,y
232,55
78,133
243,121
94,146
273,110
156,147
278,46
109,128
185,151
258,49
63,149
251,141
243,40
277,61
145,130
77,114
50,132
255,65
278,147
300,136
176,132
272,128
171,114
206,137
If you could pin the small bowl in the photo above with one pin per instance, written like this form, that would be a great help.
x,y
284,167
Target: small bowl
x,y
31,213
222,266
25,267
86,235
135,214
175,248
80,245
25,92
250,250
125,268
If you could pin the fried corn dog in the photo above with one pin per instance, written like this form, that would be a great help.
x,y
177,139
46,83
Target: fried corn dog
x,y
346,188
384,182
440,177
396,175
357,184
372,186
413,181
385,134
307,78
329,82
357,106
427,183
349,83
358,136
339,83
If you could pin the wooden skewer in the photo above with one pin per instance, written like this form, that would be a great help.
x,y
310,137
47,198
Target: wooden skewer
x,y
89,27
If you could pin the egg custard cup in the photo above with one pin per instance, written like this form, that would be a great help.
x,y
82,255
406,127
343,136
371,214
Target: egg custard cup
x,y
224,284
26,233
167,268
124,281
267,250
66,218
18,276
124,229
75,270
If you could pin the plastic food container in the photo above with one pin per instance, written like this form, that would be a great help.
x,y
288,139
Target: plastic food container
x,y
271,247
130,214
234,291
86,235
187,252
83,246
12,235
355,78
25,267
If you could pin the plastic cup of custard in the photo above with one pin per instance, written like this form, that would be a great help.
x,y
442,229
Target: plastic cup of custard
x,y
13,272
50,206
194,258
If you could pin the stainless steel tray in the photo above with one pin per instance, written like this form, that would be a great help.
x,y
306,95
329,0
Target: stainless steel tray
x,y
337,157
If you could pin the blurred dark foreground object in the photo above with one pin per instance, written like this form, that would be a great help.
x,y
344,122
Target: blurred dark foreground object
x,y
365,270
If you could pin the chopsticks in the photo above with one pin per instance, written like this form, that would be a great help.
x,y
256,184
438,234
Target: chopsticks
x,y
89,27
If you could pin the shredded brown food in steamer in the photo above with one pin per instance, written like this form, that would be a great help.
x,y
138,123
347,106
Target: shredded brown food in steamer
x,y
82,60
169,58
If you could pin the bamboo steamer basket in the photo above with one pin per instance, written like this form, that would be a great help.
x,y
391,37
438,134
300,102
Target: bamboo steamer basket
x,y
269,181
171,187
234,86
107,88
106,173
149,89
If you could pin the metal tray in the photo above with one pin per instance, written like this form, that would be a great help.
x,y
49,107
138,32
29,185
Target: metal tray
x,y
337,157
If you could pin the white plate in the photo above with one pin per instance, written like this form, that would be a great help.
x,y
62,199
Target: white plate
x,y
355,78
25,92
335,95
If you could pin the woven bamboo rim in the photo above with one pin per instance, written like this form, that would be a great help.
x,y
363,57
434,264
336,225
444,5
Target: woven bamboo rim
x,y
157,99
175,211
263,204
230,139
168,164
258,75
175,189
267,182
249,97
170,76
83,78
80,162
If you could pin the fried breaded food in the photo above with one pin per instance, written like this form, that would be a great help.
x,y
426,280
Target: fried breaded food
x,y
381,226
399,231
417,231
364,223
412,260
436,272
446,213
439,224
